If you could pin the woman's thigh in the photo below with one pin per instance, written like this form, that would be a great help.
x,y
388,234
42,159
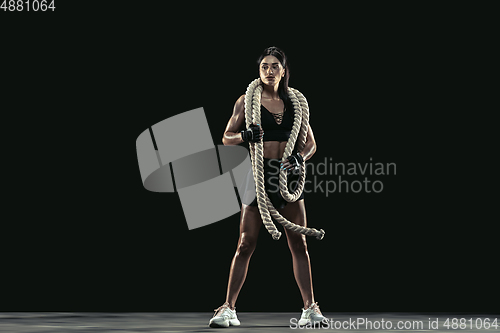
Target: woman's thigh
x,y
295,212
250,222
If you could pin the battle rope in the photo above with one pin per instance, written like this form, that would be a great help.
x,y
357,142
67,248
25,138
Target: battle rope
x,y
299,130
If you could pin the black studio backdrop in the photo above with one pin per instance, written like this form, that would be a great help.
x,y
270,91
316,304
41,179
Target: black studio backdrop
x,y
382,251
111,245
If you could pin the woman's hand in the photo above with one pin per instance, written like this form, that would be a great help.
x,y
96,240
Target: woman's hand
x,y
253,134
293,162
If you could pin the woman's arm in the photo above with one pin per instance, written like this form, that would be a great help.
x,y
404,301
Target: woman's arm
x,y
307,152
232,134
310,146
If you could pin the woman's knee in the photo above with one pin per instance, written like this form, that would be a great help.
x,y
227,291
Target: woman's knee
x,y
249,230
246,246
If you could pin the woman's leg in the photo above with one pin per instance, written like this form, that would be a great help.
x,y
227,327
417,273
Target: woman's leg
x,y
296,213
249,231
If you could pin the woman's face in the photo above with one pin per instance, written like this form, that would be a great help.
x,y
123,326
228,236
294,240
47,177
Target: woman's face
x,y
271,71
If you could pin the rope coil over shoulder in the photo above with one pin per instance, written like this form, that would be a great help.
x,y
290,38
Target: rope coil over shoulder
x,y
299,132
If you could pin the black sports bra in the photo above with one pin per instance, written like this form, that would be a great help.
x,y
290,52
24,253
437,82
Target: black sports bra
x,y
272,130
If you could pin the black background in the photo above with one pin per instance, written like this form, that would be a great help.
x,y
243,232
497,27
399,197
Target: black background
x,y
84,82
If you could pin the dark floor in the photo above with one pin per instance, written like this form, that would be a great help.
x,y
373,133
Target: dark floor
x,y
250,322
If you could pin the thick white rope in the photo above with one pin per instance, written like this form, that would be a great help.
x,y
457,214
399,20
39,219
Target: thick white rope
x,y
299,131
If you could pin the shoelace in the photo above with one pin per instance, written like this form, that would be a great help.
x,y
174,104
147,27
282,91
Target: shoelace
x,y
315,307
221,308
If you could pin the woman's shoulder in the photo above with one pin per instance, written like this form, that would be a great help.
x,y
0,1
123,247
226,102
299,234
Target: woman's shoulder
x,y
240,102
241,99
239,106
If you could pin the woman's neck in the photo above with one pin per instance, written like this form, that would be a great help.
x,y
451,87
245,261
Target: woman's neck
x,y
271,92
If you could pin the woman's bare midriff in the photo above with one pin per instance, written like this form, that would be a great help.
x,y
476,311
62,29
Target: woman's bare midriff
x,y
274,149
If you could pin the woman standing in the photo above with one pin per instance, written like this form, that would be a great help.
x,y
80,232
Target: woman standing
x,y
277,117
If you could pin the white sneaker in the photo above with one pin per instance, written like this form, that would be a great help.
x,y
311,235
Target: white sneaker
x,y
311,315
224,317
